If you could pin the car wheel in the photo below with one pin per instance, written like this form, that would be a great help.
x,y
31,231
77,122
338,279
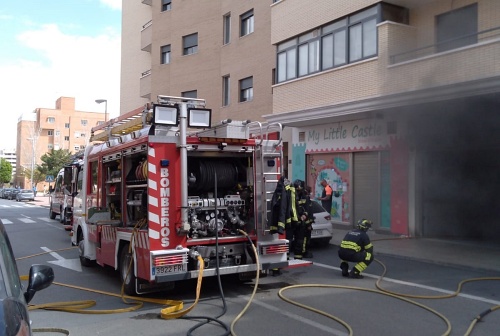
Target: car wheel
x,y
127,270
61,216
52,214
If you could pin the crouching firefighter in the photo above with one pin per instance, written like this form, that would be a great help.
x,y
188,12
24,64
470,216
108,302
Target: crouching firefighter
x,y
356,247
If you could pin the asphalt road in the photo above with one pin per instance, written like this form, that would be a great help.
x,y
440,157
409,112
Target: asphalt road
x,y
358,303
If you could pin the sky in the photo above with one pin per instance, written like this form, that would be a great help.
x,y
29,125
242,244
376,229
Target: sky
x,y
57,48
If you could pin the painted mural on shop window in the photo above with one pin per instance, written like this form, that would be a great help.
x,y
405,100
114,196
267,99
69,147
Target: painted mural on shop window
x,y
334,168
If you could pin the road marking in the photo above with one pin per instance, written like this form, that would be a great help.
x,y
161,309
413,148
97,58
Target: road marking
x,y
26,220
72,264
45,219
412,284
6,221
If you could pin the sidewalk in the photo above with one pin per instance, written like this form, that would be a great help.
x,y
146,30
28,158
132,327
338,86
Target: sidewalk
x,y
42,200
469,254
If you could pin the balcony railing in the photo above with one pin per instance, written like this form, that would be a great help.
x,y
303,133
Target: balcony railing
x,y
463,41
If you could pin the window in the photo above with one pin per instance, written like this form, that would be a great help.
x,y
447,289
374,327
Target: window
x,y
50,132
82,146
166,5
76,148
51,120
227,28
247,23
84,122
50,146
77,134
100,122
82,135
66,125
165,54
190,94
309,53
190,44
246,89
349,39
457,28
225,90
66,138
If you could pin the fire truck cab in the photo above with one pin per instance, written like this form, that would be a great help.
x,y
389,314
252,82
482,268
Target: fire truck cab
x,y
162,187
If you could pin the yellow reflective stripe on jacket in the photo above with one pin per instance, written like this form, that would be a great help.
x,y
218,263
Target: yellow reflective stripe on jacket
x,y
368,246
350,245
294,208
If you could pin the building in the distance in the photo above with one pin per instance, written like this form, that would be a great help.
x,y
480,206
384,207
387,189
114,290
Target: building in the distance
x,y
51,129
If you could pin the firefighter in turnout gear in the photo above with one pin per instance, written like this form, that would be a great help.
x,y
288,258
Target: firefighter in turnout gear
x,y
301,218
356,247
281,207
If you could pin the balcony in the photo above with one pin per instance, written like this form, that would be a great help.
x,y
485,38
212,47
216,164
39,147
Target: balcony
x,y
412,67
145,84
146,36
147,2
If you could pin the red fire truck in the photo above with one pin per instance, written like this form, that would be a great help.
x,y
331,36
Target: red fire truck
x,y
162,187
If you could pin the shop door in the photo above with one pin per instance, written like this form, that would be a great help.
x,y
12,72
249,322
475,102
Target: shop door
x,y
366,187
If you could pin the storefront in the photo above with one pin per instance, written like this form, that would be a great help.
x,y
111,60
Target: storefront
x,y
365,162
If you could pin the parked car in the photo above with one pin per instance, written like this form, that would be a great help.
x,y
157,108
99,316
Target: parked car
x,y
6,192
322,228
25,195
13,193
13,302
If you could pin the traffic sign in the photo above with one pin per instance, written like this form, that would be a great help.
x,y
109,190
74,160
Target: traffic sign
x,y
49,178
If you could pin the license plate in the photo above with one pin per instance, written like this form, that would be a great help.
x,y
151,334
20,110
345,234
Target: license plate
x,y
316,232
170,269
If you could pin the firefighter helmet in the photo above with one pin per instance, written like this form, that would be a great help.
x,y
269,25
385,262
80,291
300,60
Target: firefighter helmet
x,y
298,184
364,224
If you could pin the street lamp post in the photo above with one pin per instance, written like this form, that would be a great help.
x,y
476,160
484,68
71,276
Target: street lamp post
x,y
32,159
99,101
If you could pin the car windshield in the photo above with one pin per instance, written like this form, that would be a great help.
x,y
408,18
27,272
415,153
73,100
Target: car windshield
x,y
317,207
26,191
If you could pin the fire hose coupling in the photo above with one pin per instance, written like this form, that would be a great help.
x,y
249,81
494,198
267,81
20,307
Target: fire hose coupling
x,y
194,254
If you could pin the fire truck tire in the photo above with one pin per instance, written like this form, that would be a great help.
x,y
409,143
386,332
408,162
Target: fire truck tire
x,y
86,262
52,214
128,278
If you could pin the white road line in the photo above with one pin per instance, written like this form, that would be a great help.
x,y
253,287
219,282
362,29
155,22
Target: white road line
x,y
412,284
26,220
6,221
45,219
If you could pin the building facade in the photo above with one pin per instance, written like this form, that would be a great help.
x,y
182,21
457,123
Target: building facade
x,y
396,104
51,129
218,51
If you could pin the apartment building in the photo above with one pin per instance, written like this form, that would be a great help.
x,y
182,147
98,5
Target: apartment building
x,y
396,104
216,50
62,127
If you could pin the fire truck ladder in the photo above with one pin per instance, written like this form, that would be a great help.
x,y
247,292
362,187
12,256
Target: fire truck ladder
x,y
124,124
270,155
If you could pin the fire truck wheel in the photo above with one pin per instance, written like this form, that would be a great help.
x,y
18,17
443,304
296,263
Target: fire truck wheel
x,y
127,275
86,262
52,214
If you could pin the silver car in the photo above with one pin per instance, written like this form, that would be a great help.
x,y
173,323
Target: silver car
x,y
322,228
25,195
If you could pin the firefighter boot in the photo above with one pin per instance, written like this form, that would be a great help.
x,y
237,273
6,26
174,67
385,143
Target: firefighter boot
x,y
345,268
355,274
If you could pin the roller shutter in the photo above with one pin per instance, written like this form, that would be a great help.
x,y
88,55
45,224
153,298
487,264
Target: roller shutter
x,y
366,187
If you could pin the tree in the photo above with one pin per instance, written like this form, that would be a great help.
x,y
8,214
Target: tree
x,y
38,175
5,171
53,161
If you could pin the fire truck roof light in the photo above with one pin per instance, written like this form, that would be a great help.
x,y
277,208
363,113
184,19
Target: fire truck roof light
x,y
199,118
166,115
164,163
